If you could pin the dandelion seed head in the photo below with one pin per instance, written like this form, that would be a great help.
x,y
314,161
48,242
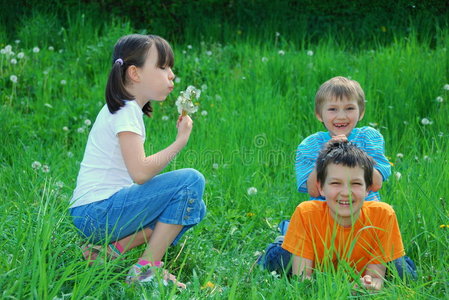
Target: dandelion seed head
x,y
164,118
399,155
20,55
281,52
80,130
36,165
8,49
13,78
277,34
397,175
59,184
189,47
439,99
51,48
264,59
13,61
204,86
36,50
65,128
425,121
310,53
63,82
209,53
87,122
215,166
446,87
69,154
251,191
45,168
204,112
177,80
17,41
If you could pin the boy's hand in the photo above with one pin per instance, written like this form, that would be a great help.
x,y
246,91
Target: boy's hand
x,y
371,283
339,138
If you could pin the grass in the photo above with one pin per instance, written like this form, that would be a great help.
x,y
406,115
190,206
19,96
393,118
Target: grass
x,y
259,106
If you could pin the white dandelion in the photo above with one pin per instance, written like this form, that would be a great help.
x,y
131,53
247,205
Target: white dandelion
x,y
164,118
20,55
446,87
36,165
426,121
277,34
8,49
281,52
397,175
69,154
209,53
189,47
177,80
310,53
264,59
215,166
13,61
399,155
439,99
87,122
13,78
36,49
51,48
65,128
45,168
204,112
80,130
59,184
63,82
251,191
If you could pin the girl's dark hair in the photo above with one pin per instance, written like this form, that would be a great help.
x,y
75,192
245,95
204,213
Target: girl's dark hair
x,y
133,50
346,154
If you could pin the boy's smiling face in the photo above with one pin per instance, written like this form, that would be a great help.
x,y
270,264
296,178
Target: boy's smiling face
x,y
345,190
340,116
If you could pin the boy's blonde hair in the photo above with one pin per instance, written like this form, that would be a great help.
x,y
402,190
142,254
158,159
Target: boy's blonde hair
x,y
339,88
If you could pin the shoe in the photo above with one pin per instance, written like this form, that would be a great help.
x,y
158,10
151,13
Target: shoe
x,y
148,275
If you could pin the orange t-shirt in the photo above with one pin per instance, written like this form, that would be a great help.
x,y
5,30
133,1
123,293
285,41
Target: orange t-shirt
x,y
373,239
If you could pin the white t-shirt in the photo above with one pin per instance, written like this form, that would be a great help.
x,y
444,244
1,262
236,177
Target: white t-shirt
x,y
103,171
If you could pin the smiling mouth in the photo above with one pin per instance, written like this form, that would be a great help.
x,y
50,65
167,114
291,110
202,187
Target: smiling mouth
x,y
345,202
341,125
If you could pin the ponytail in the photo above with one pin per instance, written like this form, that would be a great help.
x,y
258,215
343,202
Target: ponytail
x,y
115,88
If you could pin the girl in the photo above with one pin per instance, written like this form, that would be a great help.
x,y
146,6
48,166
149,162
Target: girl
x,y
156,209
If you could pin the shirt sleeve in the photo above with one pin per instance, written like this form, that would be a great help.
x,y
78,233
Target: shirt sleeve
x,y
128,118
390,246
297,239
305,160
375,147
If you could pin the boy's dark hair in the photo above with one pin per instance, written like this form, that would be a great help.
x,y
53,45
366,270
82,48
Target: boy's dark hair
x,y
346,154
133,50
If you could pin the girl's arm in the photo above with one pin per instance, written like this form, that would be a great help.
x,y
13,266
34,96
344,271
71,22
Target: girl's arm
x,y
312,186
377,181
142,168
302,267
373,278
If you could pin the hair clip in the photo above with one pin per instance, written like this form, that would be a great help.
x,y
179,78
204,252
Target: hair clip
x,y
120,61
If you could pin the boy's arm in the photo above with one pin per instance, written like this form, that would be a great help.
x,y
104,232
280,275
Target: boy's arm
x,y
312,187
306,155
302,267
375,147
373,278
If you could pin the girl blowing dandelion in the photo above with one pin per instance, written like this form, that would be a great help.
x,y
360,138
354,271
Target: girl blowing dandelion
x,y
120,197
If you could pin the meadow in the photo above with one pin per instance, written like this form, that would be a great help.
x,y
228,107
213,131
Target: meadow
x,y
255,108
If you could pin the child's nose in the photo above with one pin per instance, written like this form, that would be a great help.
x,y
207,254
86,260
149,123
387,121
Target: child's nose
x,y
171,75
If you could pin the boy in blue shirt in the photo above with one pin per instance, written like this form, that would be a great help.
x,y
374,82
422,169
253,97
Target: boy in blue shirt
x,y
339,105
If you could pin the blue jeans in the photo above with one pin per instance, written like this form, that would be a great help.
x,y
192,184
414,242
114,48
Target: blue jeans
x,y
174,198
278,259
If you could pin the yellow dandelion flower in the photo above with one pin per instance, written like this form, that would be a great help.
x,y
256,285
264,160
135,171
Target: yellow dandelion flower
x,y
442,226
392,164
250,214
209,285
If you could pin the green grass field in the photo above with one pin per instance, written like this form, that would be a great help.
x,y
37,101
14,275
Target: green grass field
x,y
256,106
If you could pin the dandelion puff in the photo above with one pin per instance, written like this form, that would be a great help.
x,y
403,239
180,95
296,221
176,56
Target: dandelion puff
x,y
165,118
59,184
446,87
264,59
17,41
209,53
310,53
45,168
189,47
3,51
36,49
204,87
70,154
36,165
177,80
277,34
440,134
252,191
425,121
184,51
13,78
439,99
13,61
218,97
426,158
20,55
51,48
399,155
63,82
397,175
281,52
243,77
65,128
80,130
204,112
8,49
215,166
87,122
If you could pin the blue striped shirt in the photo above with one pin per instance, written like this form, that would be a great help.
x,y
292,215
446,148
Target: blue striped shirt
x,y
366,138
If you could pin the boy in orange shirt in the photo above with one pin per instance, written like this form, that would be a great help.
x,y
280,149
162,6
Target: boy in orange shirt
x,y
344,227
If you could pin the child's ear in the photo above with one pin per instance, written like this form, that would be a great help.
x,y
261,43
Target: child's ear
x,y
133,73
318,116
318,186
362,114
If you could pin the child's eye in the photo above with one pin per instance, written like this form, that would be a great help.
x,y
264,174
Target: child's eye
x,y
350,108
331,109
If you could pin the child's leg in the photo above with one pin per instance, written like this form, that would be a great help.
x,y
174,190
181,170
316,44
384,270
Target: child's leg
x,y
163,235
406,268
276,258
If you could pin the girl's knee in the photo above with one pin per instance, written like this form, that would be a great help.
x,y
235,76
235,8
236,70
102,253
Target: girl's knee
x,y
194,178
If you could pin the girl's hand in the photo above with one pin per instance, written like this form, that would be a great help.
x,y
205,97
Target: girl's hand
x,y
184,125
371,283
